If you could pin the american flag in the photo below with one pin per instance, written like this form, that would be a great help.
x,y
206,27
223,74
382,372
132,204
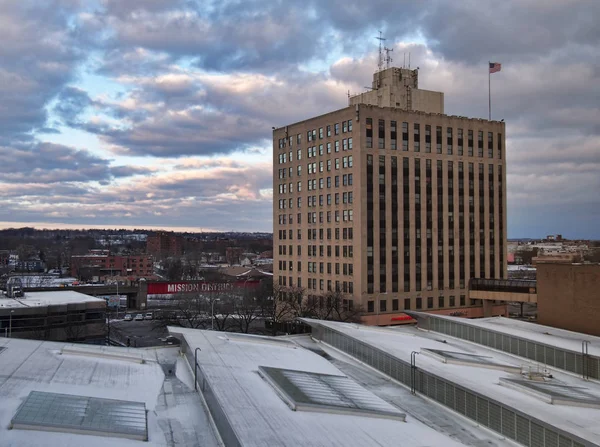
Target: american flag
x,y
494,67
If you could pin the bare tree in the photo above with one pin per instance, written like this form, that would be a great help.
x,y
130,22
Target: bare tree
x,y
279,306
223,315
199,311
248,310
186,310
339,308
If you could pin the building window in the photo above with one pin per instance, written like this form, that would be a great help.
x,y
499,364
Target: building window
x,y
393,135
419,303
499,145
440,301
381,134
429,302
382,305
369,130
371,306
470,143
404,136
417,137
395,304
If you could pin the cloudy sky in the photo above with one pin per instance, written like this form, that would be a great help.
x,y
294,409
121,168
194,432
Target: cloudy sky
x,y
158,113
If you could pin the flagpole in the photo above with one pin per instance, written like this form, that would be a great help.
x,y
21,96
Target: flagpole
x,y
489,92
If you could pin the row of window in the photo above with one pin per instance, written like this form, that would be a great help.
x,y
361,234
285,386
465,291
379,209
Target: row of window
x,y
336,268
347,180
346,251
341,286
311,135
383,307
330,286
450,141
311,152
323,234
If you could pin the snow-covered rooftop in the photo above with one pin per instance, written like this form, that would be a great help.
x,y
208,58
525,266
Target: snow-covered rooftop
x,y
400,342
259,416
162,382
559,338
34,299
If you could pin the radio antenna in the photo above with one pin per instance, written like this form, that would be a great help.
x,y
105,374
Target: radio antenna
x,y
380,62
388,58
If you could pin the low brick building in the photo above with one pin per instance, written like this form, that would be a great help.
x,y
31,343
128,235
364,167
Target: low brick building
x,y
100,264
164,245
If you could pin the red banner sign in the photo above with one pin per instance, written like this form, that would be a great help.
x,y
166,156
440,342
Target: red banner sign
x,y
172,288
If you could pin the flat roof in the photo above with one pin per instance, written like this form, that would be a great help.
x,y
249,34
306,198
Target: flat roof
x,y
163,383
36,299
259,416
401,341
559,338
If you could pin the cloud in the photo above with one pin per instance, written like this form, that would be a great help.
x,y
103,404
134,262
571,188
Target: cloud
x,y
220,195
191,112
50,163
38,54
71,102
217,35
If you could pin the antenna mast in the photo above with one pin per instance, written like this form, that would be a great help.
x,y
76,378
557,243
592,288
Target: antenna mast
x,y
388,58
380,62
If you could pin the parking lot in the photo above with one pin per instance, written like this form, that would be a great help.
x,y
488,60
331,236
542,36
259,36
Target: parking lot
x,y
140,333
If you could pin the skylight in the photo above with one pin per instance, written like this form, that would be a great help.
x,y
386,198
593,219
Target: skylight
x,y
307,391
555,393
461,358
85,415
249,338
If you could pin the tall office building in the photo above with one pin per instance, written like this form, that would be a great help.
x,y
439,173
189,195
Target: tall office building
x,y
390,201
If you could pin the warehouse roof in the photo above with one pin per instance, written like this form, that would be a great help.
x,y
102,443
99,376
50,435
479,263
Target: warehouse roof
x,y
255,383
481,370
93,385
36,299
559,338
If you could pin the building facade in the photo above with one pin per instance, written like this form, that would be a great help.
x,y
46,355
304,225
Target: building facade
x,y
395,207
59,316
163,244
100,264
